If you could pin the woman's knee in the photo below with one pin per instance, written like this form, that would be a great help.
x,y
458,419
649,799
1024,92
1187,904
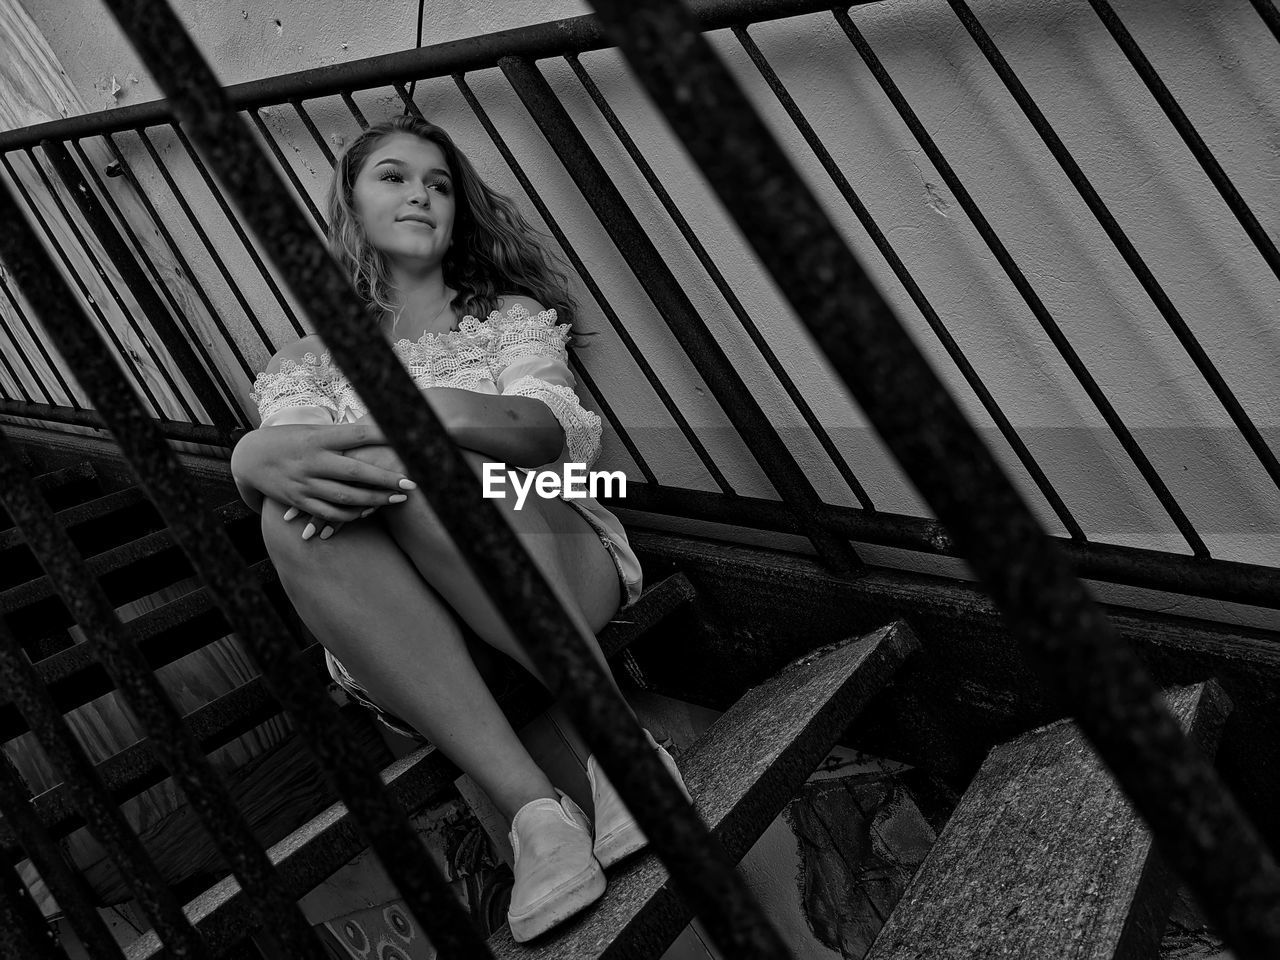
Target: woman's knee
x,y
287,549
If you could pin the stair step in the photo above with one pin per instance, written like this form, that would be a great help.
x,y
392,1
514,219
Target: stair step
x,y
741,774
128,572
1044,856
64,488
318,848
94,526
138,767
164,635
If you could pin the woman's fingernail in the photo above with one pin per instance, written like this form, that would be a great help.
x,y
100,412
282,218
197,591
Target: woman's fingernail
x,y
365,513
398,498
308,531
326,533
291,513
407,484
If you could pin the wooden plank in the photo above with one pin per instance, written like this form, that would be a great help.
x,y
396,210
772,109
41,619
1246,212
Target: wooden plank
x,y
1045,857
741,775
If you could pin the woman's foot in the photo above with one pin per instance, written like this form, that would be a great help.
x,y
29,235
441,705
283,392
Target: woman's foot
x,y
556,873
617,833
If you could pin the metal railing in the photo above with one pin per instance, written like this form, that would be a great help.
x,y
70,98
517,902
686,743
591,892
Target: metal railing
x,y
1196,823
215,381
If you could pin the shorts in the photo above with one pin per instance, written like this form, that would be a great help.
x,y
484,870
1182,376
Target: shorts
x,y
631,586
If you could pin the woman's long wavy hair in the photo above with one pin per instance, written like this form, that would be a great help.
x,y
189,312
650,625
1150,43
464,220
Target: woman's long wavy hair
x,y
495,251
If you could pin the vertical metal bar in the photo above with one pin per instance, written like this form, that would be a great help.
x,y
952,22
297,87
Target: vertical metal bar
x,y
197,377
737,401
655,382
125,312
124,356
1122,243
1190,136
23,931
31,698
1047,323
311,129
243,237
355,111
726,291
520,593
132,676
1199,826
287,167
206,543
232,283
160,283
188,274
67,884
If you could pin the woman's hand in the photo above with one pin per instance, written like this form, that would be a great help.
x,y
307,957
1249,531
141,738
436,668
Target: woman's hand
x,y
307,467
375,455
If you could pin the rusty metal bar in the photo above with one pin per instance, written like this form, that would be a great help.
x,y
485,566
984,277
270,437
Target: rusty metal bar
x,y
67,884
206,794
519,591
1197,823
221,566
23,685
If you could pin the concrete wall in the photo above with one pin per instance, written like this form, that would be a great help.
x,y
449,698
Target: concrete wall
x,y
1219,60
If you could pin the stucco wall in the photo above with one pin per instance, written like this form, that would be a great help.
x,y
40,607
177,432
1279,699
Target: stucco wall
x,y
1219,60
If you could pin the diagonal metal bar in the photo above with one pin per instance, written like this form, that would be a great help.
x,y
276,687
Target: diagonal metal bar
x,y
164,286
67,885
584,274
22,684
197,377
246,608
690,330
1270,16
731,298
1199,826
206,793
1203,363
1190,136
23,932
523,597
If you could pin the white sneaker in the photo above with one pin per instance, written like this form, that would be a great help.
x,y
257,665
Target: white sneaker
x,y
617,833
556,874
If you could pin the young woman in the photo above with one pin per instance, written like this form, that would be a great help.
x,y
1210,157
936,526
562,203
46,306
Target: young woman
x,y
362,557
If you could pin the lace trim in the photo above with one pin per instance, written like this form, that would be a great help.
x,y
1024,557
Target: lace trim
x,y
474,353
582,428
293,385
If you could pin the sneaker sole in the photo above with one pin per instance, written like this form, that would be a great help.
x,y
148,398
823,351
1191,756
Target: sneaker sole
x,y
559,905
609,850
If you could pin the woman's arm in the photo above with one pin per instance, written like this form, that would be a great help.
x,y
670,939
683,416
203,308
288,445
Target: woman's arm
x,y
521,431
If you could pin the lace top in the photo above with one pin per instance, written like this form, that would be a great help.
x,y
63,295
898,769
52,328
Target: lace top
x,y
511,354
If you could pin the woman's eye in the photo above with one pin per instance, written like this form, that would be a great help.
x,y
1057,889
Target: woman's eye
x,y
442,185
390,174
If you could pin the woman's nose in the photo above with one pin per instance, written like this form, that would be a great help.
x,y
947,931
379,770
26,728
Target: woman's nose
x,y
421,197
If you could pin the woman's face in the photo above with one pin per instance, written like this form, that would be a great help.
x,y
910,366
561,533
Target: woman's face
x,y
403,196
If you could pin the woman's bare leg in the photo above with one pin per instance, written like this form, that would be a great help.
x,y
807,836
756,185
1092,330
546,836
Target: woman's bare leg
x,y
565,548
364,600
